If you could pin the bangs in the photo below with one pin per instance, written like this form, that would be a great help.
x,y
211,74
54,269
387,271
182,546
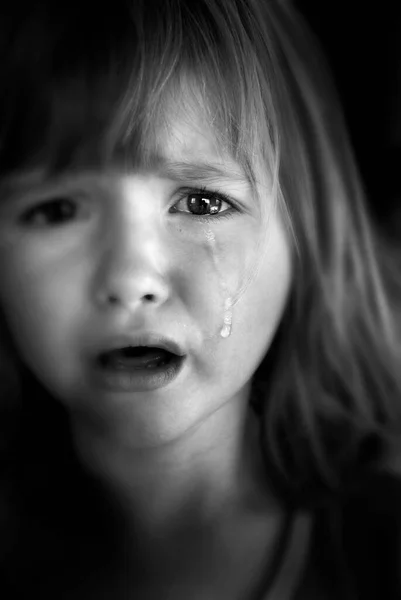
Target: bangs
x,y
97,89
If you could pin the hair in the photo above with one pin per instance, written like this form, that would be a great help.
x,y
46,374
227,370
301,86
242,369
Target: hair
x,y
92,88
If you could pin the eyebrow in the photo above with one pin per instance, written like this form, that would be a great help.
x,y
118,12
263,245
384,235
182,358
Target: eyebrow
x,y
200,171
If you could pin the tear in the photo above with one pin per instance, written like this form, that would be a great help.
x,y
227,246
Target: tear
x,y
225,331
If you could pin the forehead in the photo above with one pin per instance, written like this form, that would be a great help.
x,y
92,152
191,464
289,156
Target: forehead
x,y
185,127
189,139
182,125
190,129
183,145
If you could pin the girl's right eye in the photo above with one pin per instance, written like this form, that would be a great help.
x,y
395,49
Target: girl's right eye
x,y
54,212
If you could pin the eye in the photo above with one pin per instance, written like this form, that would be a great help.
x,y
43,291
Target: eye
x,y
204,203
53,212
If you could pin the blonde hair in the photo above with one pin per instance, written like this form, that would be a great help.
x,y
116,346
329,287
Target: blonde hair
x,y
331,379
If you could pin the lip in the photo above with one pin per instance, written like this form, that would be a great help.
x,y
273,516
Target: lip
x,y
144,339
136,380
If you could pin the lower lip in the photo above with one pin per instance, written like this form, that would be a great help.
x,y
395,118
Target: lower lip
x,y
137,380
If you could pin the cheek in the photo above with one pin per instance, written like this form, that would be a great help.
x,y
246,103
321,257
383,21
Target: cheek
x,y
28,317
35,306
45,328
255,321
216,271
259,312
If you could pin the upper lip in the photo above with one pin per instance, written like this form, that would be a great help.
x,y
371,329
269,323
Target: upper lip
x,y
152,339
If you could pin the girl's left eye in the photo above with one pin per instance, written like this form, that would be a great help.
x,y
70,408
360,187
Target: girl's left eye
x,y
204,204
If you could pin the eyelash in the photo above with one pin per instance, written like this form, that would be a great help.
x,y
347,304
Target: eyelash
x,y
203,191
212,194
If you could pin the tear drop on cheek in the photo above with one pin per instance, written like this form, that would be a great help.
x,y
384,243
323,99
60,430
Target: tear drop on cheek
x,y
227,321
228,317
226,330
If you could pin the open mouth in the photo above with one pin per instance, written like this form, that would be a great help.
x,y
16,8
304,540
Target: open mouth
x,y
138,357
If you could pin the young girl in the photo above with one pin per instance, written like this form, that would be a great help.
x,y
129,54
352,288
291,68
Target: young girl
x,y
200,346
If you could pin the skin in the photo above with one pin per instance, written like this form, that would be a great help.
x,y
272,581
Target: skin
x,y
183,461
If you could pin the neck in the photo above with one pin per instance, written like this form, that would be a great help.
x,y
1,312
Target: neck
x,y
211,473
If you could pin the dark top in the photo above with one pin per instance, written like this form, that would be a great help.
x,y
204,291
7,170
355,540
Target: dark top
x,y
354,551
356,544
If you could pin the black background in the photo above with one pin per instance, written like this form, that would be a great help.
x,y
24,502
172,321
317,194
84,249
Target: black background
x,y
363,46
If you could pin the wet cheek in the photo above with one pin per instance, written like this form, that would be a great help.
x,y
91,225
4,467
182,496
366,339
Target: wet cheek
x,y
259,312
213,274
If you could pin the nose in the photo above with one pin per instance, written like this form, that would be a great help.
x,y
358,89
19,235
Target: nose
x,y
132,270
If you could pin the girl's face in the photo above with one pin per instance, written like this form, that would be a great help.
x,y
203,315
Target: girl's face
x,y
70,244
